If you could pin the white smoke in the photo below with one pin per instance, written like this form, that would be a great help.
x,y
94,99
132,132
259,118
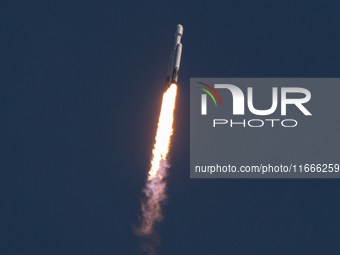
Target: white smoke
x,y
155,196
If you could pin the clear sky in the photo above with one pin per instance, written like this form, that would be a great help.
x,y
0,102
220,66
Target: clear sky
x,y
80,90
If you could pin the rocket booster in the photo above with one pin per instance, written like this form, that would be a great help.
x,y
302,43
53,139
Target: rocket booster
x,y
175,58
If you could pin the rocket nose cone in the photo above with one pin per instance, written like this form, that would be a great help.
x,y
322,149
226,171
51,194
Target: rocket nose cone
x,y
179,29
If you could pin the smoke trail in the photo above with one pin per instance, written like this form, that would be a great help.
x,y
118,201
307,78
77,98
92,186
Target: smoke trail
x,y
155,186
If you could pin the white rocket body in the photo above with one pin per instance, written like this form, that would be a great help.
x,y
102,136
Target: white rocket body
x,y
175,58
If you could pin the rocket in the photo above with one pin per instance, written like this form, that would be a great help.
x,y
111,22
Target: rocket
x,y
175,58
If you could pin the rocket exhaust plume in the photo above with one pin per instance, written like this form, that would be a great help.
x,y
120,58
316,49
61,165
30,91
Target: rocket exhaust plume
x,y
154,189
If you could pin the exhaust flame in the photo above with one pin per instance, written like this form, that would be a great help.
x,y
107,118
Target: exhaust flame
x,y
155,186
164,130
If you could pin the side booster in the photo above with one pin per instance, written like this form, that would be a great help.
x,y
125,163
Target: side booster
x,y
175,58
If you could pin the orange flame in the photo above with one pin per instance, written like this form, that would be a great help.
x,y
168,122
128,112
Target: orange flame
x,y
164,130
